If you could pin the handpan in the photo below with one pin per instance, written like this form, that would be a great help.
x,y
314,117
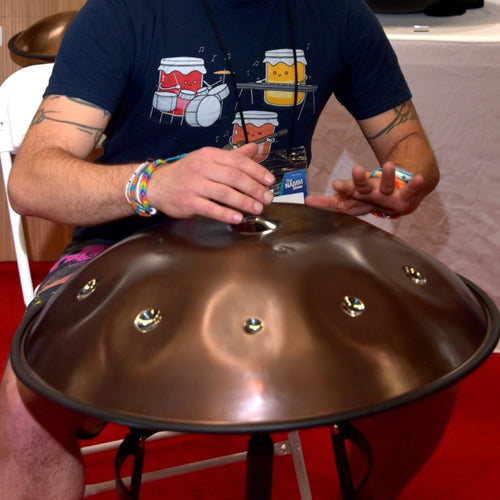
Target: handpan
x,y
42,39
296,318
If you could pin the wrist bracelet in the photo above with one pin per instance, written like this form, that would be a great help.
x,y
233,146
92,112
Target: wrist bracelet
x,y
136,189
137,185
401,177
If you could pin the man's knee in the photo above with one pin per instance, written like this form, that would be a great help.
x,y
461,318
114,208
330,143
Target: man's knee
x,y
28,418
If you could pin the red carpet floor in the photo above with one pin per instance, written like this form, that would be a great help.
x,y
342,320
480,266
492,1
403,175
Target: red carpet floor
x,y
465,466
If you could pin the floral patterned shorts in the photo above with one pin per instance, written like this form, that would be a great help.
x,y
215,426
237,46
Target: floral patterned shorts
x,y
73,258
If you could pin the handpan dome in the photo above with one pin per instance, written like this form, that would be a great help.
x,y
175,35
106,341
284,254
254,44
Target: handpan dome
x,y
297,318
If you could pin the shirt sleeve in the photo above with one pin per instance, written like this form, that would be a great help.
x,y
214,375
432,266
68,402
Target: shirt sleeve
x,y
371,80
94,59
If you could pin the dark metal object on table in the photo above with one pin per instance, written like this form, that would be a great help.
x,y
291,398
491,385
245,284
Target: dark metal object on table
x,y
295,319
430,7
41,40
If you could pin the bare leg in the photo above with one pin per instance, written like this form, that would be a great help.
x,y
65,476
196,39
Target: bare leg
x,y
39,453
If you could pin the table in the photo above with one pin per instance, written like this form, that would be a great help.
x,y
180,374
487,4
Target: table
x,y
453,70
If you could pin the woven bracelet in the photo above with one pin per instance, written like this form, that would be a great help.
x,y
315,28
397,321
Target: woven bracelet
x,y
137,186
401,177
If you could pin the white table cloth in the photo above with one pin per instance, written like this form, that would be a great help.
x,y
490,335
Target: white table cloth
x,y
453,69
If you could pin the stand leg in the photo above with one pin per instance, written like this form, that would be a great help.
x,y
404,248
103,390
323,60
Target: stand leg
x,y
339,434
133,445
342,462
259,467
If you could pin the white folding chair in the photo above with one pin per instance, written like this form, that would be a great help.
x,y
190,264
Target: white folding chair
x,y
20,96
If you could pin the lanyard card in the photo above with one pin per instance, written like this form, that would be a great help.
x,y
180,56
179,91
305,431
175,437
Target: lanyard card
x,y
290,170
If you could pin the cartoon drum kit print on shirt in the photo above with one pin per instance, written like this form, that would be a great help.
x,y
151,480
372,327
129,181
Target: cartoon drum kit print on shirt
x,y
183,93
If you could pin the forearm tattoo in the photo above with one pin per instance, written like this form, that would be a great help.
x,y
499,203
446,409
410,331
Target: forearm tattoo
x,y
96,132
403,113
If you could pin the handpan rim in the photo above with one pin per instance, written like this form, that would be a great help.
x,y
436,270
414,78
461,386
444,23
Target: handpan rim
x,y
230,380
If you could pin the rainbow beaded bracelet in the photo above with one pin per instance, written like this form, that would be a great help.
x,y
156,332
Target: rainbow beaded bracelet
x,y
401,177
136,190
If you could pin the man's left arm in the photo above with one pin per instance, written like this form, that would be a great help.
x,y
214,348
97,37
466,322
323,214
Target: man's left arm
x,y
398,140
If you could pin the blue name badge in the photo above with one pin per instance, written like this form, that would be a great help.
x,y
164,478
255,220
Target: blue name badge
x,y
289,168
293,187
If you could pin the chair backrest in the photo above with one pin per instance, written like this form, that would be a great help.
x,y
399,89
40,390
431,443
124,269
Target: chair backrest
x,y
20,95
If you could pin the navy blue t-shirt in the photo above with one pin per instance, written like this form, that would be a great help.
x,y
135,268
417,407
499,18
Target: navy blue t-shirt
x,y
158,67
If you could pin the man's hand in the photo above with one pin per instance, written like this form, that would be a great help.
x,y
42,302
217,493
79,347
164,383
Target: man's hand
x,y
222,185
361,195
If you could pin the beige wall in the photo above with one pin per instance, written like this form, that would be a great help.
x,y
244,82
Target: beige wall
x,y
45,240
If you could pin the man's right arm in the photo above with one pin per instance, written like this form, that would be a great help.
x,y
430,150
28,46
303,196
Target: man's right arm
x,y
52,179
50,176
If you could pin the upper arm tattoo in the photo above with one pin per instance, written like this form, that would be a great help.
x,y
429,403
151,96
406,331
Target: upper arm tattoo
x,y
45,115
105,113
403,113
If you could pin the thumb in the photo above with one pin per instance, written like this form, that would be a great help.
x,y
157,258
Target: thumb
x,y
248,150
343,187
